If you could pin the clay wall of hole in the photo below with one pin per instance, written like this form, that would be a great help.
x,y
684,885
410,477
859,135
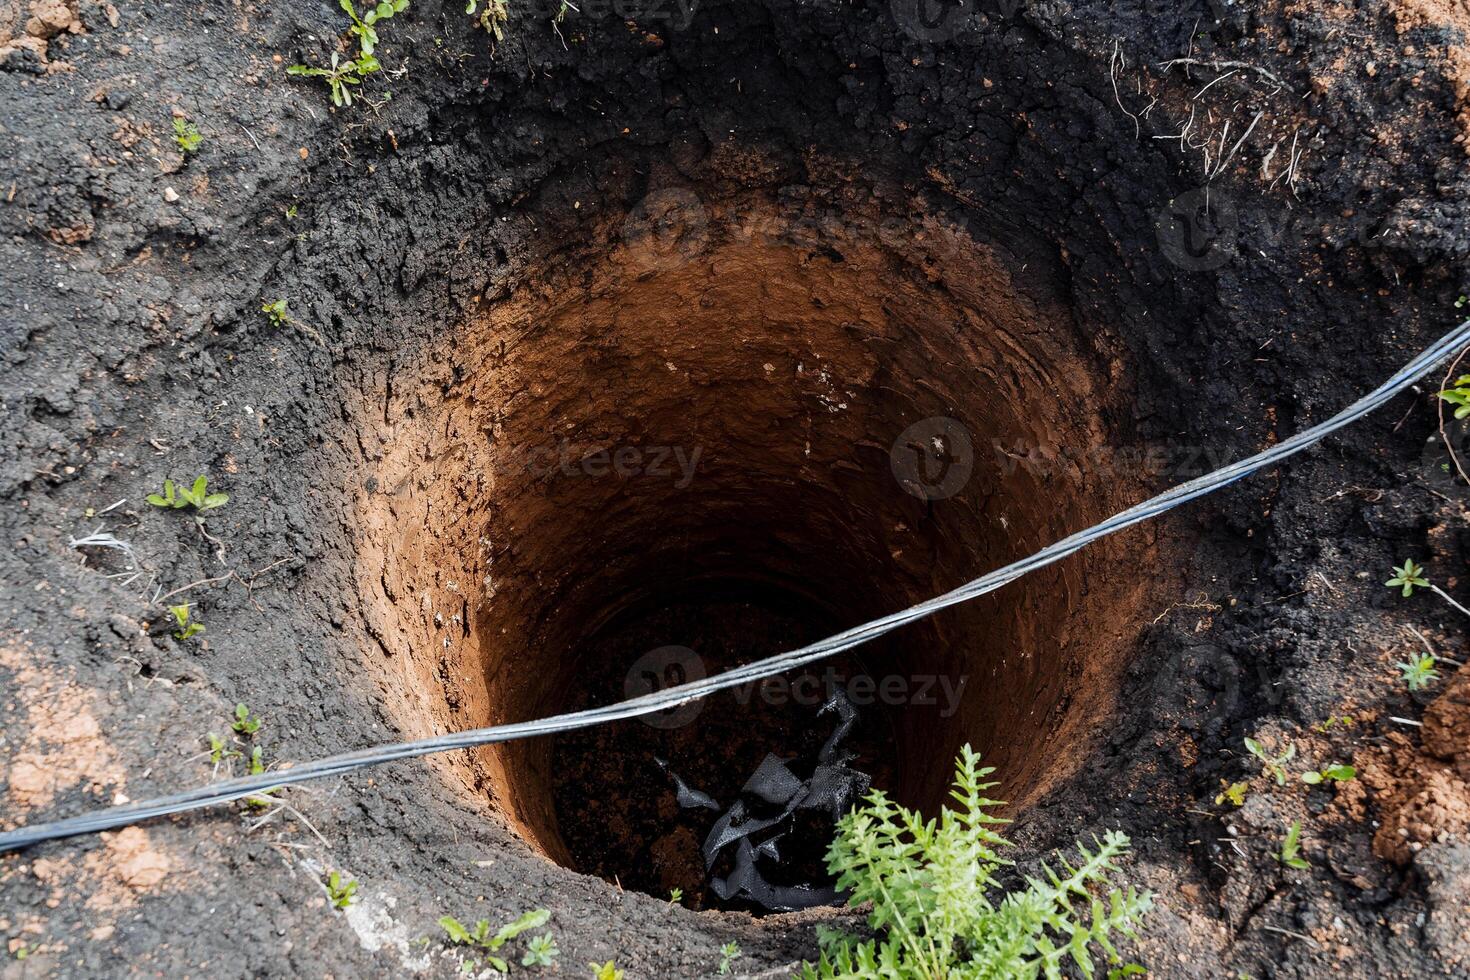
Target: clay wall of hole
x,y
790,360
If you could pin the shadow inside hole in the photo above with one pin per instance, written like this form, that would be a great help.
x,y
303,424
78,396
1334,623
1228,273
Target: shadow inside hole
x,y
616,808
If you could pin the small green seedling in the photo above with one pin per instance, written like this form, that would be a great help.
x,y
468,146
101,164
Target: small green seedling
x,y
219,750
275,312
339,889
1234,792
256,766
676,895
187,135
1125,971
339,76
1346,721
729,953
362,27
480,936
605,971
196,496
492,18
1461,301
243,723
1273,767
1408,575
291,212
1337,772
1458,395
1291,849
540,950
186,627
1419,672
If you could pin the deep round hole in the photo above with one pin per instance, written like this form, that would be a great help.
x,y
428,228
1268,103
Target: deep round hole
x,y
732,423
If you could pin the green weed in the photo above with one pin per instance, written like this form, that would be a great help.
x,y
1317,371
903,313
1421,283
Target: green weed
x,y
480,938
1272,766
934,908
187,627
340,890
186,135
1290,853
196,496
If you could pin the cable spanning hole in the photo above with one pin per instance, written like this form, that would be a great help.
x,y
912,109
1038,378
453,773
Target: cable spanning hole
x,y
728,435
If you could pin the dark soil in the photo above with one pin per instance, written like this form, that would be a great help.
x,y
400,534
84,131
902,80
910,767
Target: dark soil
x,y
617,809
1331,244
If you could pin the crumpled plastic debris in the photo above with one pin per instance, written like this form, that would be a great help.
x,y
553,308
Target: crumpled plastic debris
x,y
833,786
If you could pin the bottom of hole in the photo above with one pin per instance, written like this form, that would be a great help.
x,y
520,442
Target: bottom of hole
x,y
617,807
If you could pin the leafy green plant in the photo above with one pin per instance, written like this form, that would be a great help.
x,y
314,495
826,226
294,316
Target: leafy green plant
x,y
345,73
1272,766
1337,772
187,628
540,950
219,749
480,938
244,724
931,886
1291,848
676,895
187,135
340,890
363,27
1408,575
196,496
255,767
340,76
729,953
605,971
1458,395
492,18
1419,671
1346,721
1234,792
275,312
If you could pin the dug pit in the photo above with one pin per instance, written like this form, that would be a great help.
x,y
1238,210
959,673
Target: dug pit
x,y
718,426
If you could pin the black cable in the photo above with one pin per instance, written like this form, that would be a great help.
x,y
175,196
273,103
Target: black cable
x,y
238,788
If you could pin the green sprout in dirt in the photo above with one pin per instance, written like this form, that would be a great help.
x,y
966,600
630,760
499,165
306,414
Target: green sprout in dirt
x,y
339,76
1273,767
363,27
1408,575
480,938
540,950
340,890
1291,848
1337,772
187,135
345,73
605,971
243,723
275,312
676,895
492,18
935,911
219,750
197,496
187,628
1346,721
1234,792
1458,395
1419,672
729,953
1411,576
255,767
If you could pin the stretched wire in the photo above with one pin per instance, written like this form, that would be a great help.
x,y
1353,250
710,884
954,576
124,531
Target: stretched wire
x,y
228,790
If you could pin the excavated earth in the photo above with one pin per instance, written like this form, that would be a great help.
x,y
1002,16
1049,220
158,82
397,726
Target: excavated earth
x,y
647,340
